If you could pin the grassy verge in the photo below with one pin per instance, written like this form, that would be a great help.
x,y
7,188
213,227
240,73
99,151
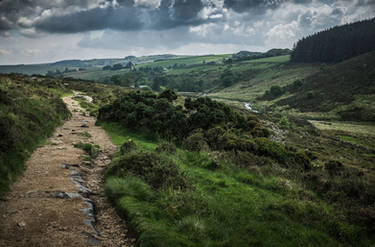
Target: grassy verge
x,y
214,203
29,113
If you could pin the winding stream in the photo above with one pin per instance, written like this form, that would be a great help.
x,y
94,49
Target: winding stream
x,y
250,107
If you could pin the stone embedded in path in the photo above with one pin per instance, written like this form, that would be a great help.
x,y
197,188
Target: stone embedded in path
x,y
21,224
51,194
56,142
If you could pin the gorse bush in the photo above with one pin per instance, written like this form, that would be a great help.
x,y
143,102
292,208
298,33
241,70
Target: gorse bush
x,y
128,147
203,125
146,111
156,169
166,147
276,91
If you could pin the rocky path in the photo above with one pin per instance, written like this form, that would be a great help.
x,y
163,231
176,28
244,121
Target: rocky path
x,y
59,201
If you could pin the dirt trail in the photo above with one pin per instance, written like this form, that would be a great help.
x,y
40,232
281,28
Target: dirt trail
x,y
59,201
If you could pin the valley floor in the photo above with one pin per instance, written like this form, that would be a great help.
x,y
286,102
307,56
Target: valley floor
x,y
59,201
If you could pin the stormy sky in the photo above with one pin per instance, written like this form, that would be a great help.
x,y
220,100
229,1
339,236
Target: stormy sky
x,y
36,31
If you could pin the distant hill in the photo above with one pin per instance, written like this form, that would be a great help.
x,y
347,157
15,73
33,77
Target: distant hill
x,y
244,54
336,44
43,69
348,88
248,55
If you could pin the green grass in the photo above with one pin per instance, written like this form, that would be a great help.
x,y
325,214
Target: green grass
x,y
222,205
119,135
350,139
277,59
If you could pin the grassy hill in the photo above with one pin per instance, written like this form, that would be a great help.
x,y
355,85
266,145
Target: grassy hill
x,y
345,90
265,73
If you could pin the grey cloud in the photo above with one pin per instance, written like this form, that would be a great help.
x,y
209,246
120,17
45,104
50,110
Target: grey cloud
x,y
94,19
186,10
337,12
241,6
12,10
126,17
5,24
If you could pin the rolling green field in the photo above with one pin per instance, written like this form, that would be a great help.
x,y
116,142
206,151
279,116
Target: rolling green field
x,y
194,60
95,74
92,64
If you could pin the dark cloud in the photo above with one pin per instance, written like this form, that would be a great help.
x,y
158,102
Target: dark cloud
x,y
126,17
10,10
186,10
94,19
5,24
244,5
366,3
260,6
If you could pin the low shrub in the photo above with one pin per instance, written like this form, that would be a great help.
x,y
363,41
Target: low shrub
x,y
333,167
148,112
128,147
201,160
156,169
196,142
260,131
166,147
